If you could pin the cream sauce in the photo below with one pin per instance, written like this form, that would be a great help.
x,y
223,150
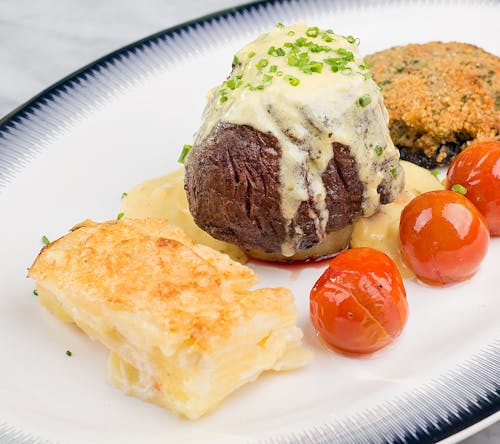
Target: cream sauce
x,y
381,230
323,108
165,197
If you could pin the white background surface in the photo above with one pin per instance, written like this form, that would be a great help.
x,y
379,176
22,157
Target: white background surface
x,y
43,41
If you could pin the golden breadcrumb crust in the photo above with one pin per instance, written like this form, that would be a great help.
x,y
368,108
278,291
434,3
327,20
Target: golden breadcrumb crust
x,y
440,96
151,268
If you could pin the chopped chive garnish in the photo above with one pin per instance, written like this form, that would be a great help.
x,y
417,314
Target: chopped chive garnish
x,y
35,292
273,68
235,60
460,189
45,240
435,173
273,51
379,150
316,67
351,39
267,78
394,172
364,100
69,353
292,80
279,25
326,38
251,54
262,63
120,215
223,99
124,195
279,73
184,153
291,32
312,32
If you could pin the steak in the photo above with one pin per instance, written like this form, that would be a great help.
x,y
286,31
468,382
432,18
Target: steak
x,y
232,186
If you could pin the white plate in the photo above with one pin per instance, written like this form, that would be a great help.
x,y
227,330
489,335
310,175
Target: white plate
x,y
69,154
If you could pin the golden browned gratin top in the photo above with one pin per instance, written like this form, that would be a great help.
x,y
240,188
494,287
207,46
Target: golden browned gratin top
x,y
153,270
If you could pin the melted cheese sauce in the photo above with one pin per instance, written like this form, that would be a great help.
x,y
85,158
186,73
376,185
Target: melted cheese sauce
x,y
324,107
165,197
381,230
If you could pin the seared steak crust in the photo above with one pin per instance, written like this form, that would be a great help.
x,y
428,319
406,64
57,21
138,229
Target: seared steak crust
x,y
233,188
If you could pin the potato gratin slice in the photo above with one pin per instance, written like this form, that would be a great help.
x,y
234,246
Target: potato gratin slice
x,y
183,328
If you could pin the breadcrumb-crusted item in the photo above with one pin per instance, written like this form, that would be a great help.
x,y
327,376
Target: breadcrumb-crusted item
x,y
441,97
182,325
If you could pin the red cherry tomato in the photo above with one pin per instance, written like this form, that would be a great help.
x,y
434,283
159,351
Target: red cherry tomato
x,y
358,305
443,237
477,168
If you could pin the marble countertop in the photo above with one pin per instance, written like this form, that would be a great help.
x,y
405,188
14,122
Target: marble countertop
x,y
45,40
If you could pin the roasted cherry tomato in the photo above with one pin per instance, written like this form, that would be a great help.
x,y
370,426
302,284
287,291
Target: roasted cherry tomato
x,y
443,237
358,305
477,169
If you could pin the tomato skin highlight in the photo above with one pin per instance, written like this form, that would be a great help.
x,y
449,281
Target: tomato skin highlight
x,y
358,305
443,237
477,168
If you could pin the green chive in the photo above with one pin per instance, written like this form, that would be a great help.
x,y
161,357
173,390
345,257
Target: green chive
x,y
350,39
379,150
273,68
35,292
460,189
184,152
262,63
364,100
68,353
45,240
291,32
235,60
223,99
394,172
251,54
435,173
280,52
326,38
316,67
120,215
279,25
124,195
292,80
231,84
312,32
